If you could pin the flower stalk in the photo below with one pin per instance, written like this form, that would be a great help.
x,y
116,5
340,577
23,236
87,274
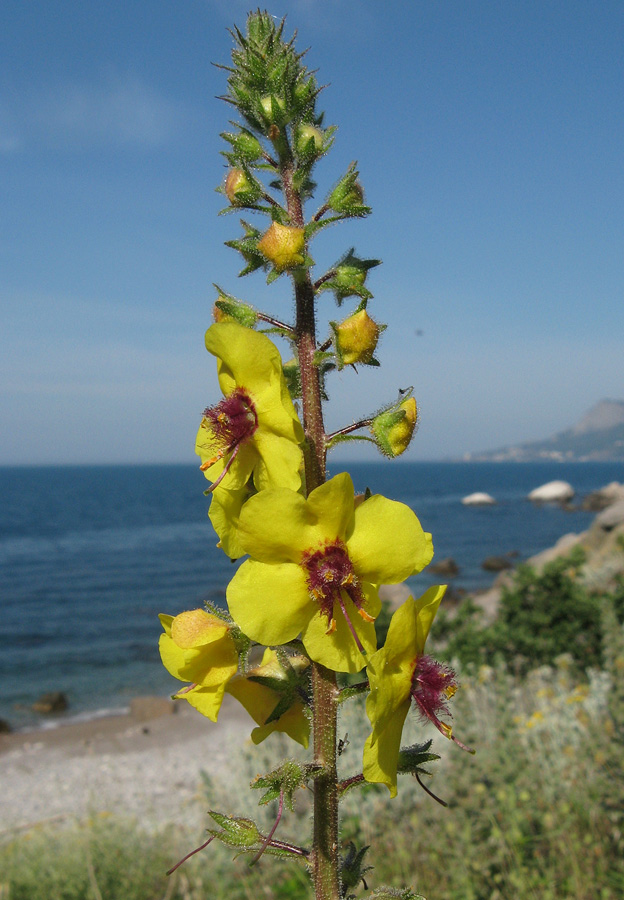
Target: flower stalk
x,y
308,590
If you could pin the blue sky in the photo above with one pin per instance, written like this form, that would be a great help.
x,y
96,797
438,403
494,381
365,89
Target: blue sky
x,y
489,139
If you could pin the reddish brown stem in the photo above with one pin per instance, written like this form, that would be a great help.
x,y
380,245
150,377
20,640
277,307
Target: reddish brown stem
x,y
324,857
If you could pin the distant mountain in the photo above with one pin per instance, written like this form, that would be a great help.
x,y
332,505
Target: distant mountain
x,y
598,436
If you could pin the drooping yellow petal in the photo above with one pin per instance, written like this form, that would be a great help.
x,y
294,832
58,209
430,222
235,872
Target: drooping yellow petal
x,y
260,701
207,700
224,511
381,751
279,462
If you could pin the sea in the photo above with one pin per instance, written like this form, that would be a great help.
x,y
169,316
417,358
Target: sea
x,y
90,555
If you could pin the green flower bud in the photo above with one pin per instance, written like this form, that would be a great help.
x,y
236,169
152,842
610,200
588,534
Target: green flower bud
x,y
356,339
248,147
344,196
240,189
393,428
283,245
308,141
267,104
229,309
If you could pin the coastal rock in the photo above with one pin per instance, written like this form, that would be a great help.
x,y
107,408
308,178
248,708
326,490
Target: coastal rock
x,y
5,728
496,564
446,567
612,516
54,702
479,498
604,497
552,492
142,709
394,594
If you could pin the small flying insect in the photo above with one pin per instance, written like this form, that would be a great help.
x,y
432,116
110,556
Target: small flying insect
x,y
343,743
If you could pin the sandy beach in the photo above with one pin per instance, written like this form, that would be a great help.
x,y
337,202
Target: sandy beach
x,y
147,768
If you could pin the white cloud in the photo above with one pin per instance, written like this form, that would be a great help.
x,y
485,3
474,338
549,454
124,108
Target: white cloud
x,y
122,110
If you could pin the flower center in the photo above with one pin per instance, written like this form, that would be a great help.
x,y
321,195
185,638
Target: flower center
x,y
330,576
231,422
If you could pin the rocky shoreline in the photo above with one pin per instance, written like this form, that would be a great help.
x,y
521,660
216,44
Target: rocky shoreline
x,y
148,764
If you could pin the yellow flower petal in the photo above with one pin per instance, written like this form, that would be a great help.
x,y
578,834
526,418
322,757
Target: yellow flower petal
x,y
206,700
260,701
388,544
195,628
381,755
337,649
270,603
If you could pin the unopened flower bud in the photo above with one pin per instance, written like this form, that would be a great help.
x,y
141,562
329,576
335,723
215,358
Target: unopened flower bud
x,y
267,104
349,279
239,189
308,141
344,196
247,146
356,339
283,245
394,428
229,309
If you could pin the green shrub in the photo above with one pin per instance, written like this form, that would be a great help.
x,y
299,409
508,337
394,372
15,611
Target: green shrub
x,y
540,616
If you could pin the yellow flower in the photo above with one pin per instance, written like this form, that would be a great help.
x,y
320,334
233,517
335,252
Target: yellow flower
x,y
283,245
398,673
197,647
254,431
315,566
272,695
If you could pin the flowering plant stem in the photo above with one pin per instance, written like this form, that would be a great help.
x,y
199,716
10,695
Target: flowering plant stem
x,y
325,692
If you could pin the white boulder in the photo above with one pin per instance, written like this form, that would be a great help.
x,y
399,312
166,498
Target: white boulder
x,y
552,492
478,499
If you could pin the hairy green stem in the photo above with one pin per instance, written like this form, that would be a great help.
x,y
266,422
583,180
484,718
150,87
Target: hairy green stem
x,y
325,859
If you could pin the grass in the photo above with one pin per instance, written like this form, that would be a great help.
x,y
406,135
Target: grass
x,y
537,814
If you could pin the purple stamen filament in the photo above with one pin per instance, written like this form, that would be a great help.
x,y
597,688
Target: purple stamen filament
x,y
433,684
267,840
232,423
331,579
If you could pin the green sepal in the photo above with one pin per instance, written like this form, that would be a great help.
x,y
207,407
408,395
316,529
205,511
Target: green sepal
x,y
353,690
237,831
412,759
284,780
292,374
247,246
352,868
348,277
347,196
246,146
237,309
